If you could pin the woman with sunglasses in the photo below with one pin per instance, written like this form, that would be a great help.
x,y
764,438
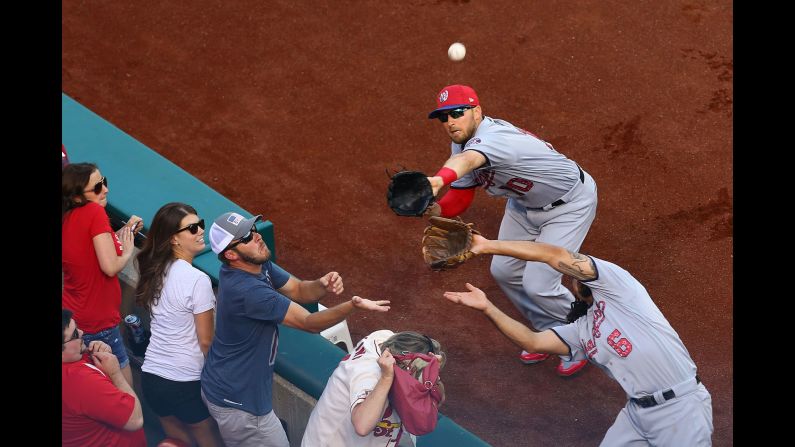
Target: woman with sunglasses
x,y
181,303
92,255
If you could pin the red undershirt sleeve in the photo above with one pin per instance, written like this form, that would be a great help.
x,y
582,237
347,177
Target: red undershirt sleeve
x,y
456,201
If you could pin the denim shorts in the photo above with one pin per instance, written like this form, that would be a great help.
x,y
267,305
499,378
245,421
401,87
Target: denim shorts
x,y
113,338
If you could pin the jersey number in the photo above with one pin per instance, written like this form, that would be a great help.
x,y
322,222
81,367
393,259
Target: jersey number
x,y
622,346
518,185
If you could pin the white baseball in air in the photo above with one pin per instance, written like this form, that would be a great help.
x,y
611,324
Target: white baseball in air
x,y
457,51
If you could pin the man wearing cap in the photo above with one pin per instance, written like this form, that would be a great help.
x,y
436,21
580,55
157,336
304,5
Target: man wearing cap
x,y
550,199
254,296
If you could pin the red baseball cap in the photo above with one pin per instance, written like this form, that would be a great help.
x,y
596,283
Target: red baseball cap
x,y
453,97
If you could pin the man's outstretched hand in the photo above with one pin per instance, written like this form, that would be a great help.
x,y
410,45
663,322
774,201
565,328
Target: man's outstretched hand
x,y
364,303
475,298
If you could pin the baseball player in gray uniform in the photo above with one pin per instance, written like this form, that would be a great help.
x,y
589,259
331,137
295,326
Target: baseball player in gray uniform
x,y
616,325
550,199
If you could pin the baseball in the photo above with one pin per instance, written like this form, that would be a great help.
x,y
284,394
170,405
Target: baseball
x,y
457,51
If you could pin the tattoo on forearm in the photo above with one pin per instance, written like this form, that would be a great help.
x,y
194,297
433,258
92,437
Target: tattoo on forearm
x,y
580,267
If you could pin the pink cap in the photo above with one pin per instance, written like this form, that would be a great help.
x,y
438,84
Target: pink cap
x,y
453,97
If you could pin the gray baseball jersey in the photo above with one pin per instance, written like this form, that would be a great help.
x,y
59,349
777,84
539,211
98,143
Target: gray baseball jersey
x,y
520,165
626,335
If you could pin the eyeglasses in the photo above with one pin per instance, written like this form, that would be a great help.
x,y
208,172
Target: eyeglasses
x,y
193,228
75,335
98,187
454,113
245,239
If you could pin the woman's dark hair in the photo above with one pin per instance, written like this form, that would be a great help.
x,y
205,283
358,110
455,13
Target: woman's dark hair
x,y
74,178
157,253
410,341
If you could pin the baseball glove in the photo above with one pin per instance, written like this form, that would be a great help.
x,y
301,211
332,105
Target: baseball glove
x,y
409,193
446,243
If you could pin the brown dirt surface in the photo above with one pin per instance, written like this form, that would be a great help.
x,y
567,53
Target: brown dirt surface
x,y
293,109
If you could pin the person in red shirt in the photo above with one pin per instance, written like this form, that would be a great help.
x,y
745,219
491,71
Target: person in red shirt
x,y
91,257
98,406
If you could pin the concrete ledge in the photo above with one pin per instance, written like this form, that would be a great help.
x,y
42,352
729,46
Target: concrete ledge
x,y
293,406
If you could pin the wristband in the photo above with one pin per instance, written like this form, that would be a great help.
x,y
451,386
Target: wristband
x,y
447,175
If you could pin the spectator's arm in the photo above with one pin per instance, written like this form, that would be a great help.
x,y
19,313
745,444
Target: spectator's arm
x,y
299,318
367,413
205,329
109,262
307,292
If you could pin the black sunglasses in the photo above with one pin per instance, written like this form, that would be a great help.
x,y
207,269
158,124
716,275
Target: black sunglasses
x,y
245,239
454,113
98,187
193,228
75,335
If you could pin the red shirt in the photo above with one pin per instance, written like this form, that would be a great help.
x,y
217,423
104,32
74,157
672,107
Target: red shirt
x,y
90,294
93,410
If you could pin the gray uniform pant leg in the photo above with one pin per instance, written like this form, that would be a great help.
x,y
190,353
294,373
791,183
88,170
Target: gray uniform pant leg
x,y
242,429
534,287
684,420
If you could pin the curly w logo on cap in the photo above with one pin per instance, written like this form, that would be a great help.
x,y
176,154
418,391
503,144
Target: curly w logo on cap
x,y
454,96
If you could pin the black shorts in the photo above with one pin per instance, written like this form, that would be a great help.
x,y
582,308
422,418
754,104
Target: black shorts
x,y
182,400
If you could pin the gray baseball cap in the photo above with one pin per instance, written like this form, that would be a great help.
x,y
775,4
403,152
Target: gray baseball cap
x,y
228,227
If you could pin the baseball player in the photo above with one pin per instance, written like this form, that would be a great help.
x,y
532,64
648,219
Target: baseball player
x,y
550,199
354,409
615,324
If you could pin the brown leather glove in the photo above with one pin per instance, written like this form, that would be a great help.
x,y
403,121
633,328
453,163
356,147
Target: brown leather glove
x,y
446,243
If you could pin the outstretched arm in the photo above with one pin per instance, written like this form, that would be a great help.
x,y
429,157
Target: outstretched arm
x,y
567,262
300,318
462,164
518,333
307,292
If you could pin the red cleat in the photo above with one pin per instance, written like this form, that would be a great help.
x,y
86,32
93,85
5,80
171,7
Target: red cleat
x,y
569,368
529,358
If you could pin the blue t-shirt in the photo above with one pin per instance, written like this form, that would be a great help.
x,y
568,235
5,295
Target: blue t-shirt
x,y
238,372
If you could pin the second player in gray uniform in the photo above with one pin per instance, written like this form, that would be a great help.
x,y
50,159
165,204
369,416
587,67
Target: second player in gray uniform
x,y
550,199
617,326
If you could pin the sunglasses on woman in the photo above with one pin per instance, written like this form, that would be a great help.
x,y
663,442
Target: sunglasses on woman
x,y
98,187
193,228
455,113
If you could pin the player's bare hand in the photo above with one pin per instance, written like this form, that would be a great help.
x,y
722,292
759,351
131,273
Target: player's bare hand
x,y
434,209
364,303
385,362
475,298
98,346
107,362
478,244
436,184
332,281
